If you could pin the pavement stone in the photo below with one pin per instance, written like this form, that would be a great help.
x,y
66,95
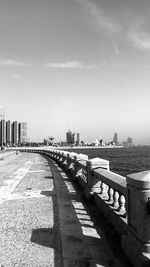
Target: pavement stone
x,y
29,233
45,221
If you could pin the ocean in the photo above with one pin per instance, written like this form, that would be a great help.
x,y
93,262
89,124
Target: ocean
x,y
123,161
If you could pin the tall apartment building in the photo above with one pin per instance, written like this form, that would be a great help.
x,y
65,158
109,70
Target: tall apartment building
x,y
2,127
2,113
12,133
115,139
8,133
2,132
78,138
70,138
22,132
15,133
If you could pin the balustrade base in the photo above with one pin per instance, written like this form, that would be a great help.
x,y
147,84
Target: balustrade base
x,y
133,251
111,214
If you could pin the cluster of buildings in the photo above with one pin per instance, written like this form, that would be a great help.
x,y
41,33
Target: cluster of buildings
x,y
73,139
127,143
115,142
12,133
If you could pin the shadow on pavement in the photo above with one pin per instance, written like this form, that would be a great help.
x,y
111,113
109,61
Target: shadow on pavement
x,y
45,237
48,193
92,222
82,228
48,177
49,237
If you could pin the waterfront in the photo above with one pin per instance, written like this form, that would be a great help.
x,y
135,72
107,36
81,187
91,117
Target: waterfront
x,y
122,160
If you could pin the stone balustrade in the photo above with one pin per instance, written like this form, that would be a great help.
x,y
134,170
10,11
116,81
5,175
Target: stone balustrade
x,y
125,202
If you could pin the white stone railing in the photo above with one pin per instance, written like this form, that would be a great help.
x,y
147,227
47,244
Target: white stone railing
x,y
112,189
125,202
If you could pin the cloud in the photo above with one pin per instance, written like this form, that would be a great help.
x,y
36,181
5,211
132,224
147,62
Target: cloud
x,y
17,76
70,65
102,21
140,40
64,65
13,63
138,36
81,65
99,17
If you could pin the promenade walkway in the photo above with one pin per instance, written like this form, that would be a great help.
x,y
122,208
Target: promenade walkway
x,y
44,221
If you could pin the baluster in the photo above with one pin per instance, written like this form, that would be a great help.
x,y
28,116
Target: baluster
x,y
84,175
71,167
106,189
103,188
126,207
110,194
122,202
116,198
79,172
100,189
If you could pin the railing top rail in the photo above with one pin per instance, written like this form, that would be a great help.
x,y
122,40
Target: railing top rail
x,y
81,157
98,160
82,164
72,154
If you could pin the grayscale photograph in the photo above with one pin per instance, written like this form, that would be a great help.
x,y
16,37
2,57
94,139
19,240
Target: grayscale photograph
x,y
74,133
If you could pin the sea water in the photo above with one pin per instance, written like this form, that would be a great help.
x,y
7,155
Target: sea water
x,y
122,160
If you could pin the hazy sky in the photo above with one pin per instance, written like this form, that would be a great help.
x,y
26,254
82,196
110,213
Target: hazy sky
x,y
82,65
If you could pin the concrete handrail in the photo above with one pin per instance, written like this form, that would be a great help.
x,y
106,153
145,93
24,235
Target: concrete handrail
x,y
82,164
113,180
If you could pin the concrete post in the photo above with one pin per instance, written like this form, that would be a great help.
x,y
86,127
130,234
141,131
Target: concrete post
x,y
77,158
71,162
136,243
60,158
67,161
69,155
57,156
93,184
63,158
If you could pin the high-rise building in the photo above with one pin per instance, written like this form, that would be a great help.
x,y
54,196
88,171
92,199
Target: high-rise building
x,y
12,133
2,132
15,133
22,138
8,133
78,138
2,113
115,139
129,142
70,138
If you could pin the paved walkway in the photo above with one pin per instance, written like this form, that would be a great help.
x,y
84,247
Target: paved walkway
x,y
45,222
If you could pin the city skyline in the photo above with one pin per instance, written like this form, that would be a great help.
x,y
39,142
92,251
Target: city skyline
x,y
22,134
77,64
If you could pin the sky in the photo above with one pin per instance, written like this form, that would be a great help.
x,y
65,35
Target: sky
x,y
82,65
